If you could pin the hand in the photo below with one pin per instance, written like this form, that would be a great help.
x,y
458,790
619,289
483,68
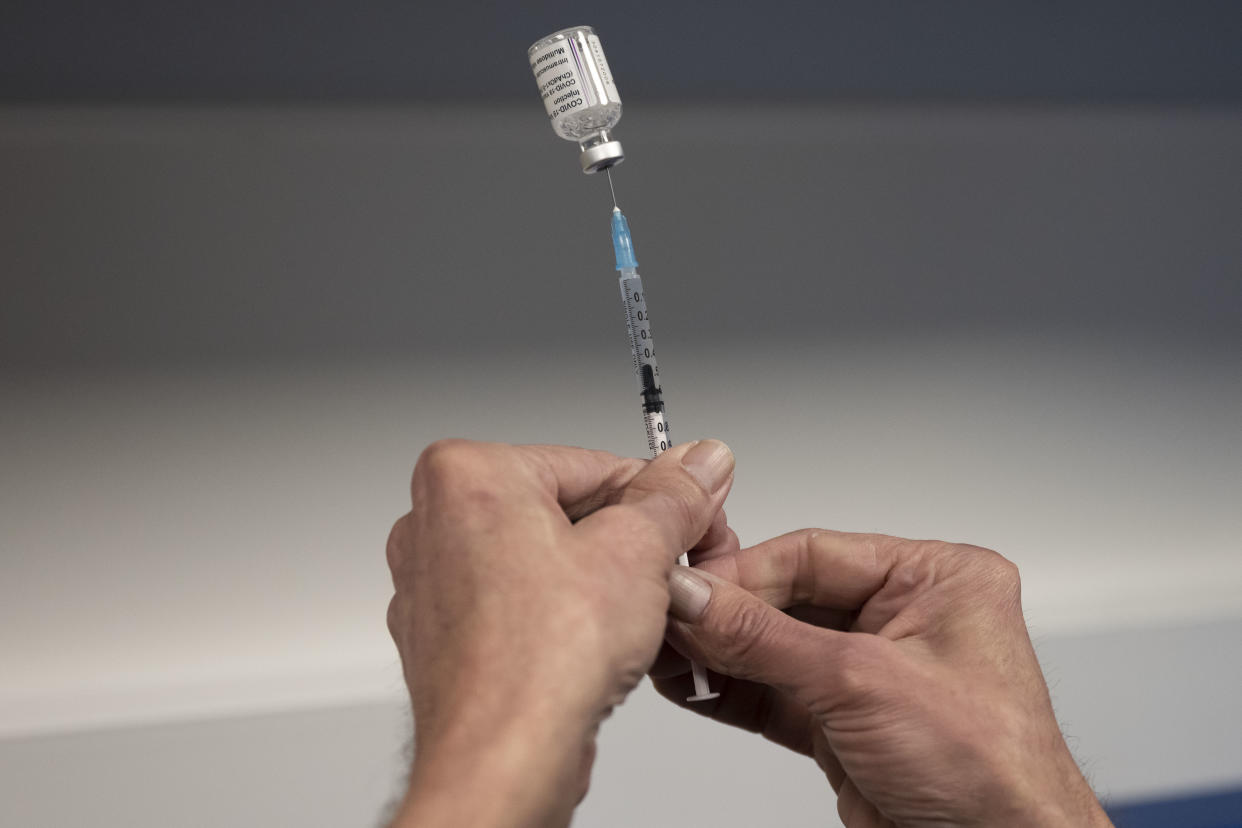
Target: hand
x,y
531,597
930,710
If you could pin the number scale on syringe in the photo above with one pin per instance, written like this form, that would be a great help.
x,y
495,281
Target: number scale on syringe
x,y
646,371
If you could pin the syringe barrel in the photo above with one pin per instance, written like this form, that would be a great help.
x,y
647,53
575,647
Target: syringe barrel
x,y
579,93
646,370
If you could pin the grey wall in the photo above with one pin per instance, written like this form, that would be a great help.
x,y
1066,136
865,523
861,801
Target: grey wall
x,y
168,237
281,50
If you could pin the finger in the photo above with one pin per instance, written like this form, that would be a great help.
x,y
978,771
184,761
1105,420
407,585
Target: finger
x,y
717,532
397,548
719,541
832,619
827,759
840,570
748,705
453,478
760,709
731,631
856,811
668,663
669,505
581,480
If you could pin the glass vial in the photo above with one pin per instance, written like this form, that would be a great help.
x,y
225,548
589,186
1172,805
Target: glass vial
x,y
579,94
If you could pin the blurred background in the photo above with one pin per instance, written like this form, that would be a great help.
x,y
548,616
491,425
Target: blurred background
x,y
956,270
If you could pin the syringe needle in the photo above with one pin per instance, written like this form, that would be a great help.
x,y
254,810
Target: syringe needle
x,y
611,189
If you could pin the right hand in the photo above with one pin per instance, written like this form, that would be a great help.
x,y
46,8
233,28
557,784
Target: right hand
x,y
914,685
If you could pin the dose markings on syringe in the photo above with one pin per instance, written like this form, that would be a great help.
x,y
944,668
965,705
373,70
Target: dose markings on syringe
x,y
639,324
642,348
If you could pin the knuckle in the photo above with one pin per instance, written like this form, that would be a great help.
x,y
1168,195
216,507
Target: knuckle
x,y
998,573
743,636
458,475
395,548
889,547
393,617
443,460
1004,573
854,659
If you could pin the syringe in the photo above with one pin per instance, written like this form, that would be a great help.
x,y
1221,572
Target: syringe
x,y
583,105
638,322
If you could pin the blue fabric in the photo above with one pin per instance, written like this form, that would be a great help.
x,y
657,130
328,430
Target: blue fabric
x,y
1213,810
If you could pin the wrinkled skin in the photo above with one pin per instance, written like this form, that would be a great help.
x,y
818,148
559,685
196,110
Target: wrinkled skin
x,y
910,678
531,595
532,592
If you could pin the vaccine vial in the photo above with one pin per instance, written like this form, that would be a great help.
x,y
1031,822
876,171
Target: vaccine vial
x,y
579,94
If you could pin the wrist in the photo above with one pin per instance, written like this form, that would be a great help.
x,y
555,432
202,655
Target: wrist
x,y
532,772
1059,797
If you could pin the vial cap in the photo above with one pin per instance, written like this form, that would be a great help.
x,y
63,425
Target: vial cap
x,y
602,156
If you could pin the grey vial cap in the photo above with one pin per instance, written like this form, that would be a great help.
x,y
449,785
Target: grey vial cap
x,y
601,156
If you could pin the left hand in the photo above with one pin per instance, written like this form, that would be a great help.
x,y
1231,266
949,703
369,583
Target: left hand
x,y
531,597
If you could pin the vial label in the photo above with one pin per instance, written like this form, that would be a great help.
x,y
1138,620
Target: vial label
x,y
559,78
573,74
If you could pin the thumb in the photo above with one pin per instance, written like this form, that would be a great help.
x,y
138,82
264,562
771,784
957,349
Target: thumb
x,y
670,504
731,631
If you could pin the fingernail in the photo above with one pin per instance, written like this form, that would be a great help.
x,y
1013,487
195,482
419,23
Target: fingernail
x,y
710,462
688,593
